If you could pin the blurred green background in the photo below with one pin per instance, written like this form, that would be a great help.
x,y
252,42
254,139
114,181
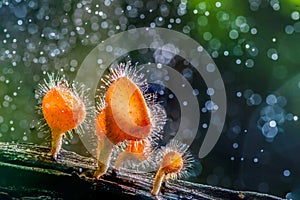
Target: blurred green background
x,y
254,43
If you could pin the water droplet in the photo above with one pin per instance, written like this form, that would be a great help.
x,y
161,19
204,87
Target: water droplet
x,y
275,5
281,101
295,15
273,123
289,29
233,34
210,91
73,63
235,145
253,31
238,61
248,93
255,160
207,36
210,67
254,5
261,151
32,29
254,99
20,11
19,22
268,131
209,105
218,4
239,94
271,99
249,63
187,73
286,173
295,118
195,92
253,51
240,20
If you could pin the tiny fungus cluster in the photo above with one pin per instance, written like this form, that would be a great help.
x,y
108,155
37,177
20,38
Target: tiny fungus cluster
x,y
127,120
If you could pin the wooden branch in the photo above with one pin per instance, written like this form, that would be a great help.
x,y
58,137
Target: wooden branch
x,y
26,170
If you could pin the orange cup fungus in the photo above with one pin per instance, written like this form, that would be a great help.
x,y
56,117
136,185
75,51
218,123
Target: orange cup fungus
x,y
174,162
135,149
63,109
126,116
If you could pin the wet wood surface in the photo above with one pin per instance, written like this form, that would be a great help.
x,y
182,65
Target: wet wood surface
x,y
28,172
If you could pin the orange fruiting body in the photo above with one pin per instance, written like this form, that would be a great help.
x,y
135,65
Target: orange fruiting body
x,y
62,110
62,107
126,112
125,116
139,150
174,162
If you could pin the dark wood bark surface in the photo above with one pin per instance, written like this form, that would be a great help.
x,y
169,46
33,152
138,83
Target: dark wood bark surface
x,y
28,172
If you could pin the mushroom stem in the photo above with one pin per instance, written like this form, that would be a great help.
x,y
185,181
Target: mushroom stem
x,y
104,153
56,143
158,180
120,159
